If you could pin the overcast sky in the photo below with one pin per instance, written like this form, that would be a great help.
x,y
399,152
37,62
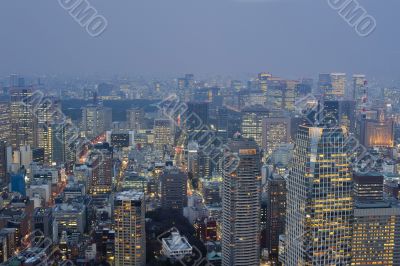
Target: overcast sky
x,y
290,38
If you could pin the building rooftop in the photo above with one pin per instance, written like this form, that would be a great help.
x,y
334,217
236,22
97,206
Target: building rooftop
x,y
129,195
176,242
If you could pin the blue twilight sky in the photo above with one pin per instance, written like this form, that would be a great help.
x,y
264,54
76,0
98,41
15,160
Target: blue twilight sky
x,y
290,38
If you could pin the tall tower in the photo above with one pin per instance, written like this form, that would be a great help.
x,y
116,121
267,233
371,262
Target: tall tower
x,y
96,119
21,117
241,204
129,224
163,133
173,189
319,200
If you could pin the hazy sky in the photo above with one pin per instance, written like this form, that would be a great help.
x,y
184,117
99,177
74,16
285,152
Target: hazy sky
x,y
290,38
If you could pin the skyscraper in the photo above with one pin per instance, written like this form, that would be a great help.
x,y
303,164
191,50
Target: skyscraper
x,y
96,119
368,187
319,199
22,117
102,173
338,89
276,213
376,234
275,132
135,118
241,204
173,189
252,118
129,224
4,121
163,133
359,90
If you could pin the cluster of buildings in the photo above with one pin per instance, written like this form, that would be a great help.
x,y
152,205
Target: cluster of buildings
x,y
265,172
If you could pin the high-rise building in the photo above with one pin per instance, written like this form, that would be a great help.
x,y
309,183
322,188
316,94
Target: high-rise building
x,y
22,119
3,163
276,213
275,132
102,164
135,118
252,118
263,81
376,234
5,121
376,132
129,224
368,187
196,120
324,84
96,119
338,89
173,189
241,203
319,199
359,93
163,133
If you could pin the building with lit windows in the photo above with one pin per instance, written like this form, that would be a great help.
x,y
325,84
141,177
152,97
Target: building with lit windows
x,y
252,119
135,118
276,213
129,225
368,187
96,119
173,189
101,161
275,132
338,89
241,203
376,234
163,133
22,120
319,199
359,91
4,121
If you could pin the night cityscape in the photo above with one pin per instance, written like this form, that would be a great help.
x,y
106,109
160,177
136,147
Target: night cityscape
x,y
179,133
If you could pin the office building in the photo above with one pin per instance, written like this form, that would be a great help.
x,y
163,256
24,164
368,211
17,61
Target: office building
x,y
252,119
163,134
5,121
101,161
22,119
275,132
276,213
173,189
376,132
3,163
319,199
338,87
241,203
96,119
368,187
376,234
135,118
359,91
129,224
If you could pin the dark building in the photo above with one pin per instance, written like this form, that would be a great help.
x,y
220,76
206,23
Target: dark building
x,y
38,155
368,187
3,163
43,221
196,115
173,189
102,165
276,213
341,113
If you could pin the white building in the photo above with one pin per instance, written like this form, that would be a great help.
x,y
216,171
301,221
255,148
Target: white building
x,y
176,246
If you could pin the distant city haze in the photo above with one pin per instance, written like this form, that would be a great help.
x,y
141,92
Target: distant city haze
x,y
290,38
